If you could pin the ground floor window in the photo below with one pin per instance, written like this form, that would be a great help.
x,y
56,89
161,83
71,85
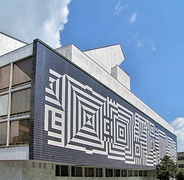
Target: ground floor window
x,y
77,171
130,173
62,170
89,172
135,173
99,172
109,173
124,173
116,172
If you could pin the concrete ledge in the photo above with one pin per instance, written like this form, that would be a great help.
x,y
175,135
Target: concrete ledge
x,y
16,55
14,153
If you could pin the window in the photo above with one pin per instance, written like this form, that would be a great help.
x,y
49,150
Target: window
x,y
22,98
4,78
4,105
89,172
145,173
135,173
76,171
19,76
109,172
181,165
116,172
3,127
62,170
19,131
140,173
58,170
99,172
130,173
124,173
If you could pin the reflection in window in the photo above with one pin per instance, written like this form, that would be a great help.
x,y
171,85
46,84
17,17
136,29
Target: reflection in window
x,y
4,77
76,171
89,172
130,173
21,101
19,76
135,173
145,173
116,172
4,105
140,173
124,173
3,127
109,172
19,131
99,172
62,170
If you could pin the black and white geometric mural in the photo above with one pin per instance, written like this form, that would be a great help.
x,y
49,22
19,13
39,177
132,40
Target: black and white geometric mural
x,y
79,118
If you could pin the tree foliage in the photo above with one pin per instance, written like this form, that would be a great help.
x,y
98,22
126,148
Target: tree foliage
x,y
166,168
180,174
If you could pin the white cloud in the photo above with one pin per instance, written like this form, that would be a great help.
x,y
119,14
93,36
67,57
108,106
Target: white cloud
x,y
28,20
139,43
119,8
178,125
133,18
136,35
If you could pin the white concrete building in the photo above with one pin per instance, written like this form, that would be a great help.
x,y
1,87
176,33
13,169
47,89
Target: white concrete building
x,y
68,114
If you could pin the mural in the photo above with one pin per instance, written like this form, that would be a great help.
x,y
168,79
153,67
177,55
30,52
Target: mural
x,y
77,120
84,120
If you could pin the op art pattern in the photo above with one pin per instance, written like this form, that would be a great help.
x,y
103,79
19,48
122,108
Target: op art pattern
x,y
77,117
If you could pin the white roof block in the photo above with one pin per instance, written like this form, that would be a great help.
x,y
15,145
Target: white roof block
x,y
8,43
107,57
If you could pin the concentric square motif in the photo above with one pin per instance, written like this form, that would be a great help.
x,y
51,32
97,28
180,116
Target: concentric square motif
x,y
78,118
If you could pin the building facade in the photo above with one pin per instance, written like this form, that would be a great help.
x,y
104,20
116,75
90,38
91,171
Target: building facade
x,y
180,159
67,114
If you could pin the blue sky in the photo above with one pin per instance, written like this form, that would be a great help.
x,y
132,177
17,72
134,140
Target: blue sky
x,y
151,36
150,33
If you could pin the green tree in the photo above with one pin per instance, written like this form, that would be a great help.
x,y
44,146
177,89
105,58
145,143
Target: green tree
x,y
180,174
166,168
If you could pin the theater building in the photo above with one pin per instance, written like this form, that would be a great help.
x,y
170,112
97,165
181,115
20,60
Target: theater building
x,y
70,114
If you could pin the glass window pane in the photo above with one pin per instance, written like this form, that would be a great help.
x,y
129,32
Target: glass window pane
x,y
78,171
116,172
3,128
58,171
130,173
89,172
124,173
99,172
145,173
21,101
19,131
140,173
109,172
4,105
135,173
64,171
19,76
4,77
